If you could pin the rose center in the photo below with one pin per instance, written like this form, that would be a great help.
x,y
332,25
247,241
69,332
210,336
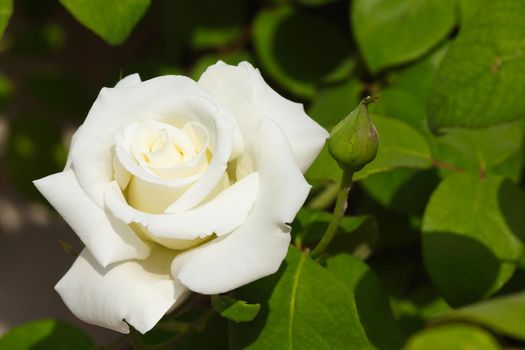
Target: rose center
x,y
161,145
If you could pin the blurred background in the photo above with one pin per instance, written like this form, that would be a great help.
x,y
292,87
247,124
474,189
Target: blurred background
x,y
52,67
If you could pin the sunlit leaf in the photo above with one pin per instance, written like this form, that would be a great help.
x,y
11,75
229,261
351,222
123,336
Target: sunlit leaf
x,y
233,309
391,32
481,81
504,315
296,313
111,20
45,334
452,337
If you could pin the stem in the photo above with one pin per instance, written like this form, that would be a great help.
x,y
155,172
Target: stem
x,y
339,210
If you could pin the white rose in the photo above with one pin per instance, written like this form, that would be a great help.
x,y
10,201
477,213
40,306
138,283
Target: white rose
x,y
176,186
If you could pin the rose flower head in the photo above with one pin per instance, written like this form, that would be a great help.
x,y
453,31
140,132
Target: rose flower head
x,y
176,186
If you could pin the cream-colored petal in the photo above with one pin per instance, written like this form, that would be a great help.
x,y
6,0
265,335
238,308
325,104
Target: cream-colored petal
x,y
257,248
135,292
222,143
109,239
220,215
121,174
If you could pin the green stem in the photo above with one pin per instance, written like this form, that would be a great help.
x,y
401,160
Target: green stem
x,y
341,204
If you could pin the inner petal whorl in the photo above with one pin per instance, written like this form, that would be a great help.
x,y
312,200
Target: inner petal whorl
x,y
163,150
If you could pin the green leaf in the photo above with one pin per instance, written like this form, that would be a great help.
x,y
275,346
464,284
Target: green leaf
x,y
371,301
417,78
356,234
406,98
233,309
391,32
402,105
293,49
402,190
473,227
334,102
495,150
452,337
504,315
210,24
304,306
468,9
6,10
113,21
400,146
481,81
45,334
415,310
472,150
324,168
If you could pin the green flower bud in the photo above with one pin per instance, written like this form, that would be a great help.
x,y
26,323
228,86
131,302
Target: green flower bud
x,y
354,141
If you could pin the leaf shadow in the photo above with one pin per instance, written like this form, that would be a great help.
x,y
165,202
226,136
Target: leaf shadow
x,y
375,313
462,269
300,45
511,201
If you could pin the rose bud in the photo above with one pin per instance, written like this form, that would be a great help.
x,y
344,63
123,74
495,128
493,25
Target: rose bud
x,y
353,142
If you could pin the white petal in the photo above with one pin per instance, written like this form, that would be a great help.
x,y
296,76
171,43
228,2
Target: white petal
x,y
257,248
136,292
108,239
243,90
221,215
113,109
130,80
122,175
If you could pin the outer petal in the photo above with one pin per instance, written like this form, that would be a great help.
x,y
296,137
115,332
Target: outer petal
x,y
138,292
257,248
127,81
108,239
243,90
221,215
